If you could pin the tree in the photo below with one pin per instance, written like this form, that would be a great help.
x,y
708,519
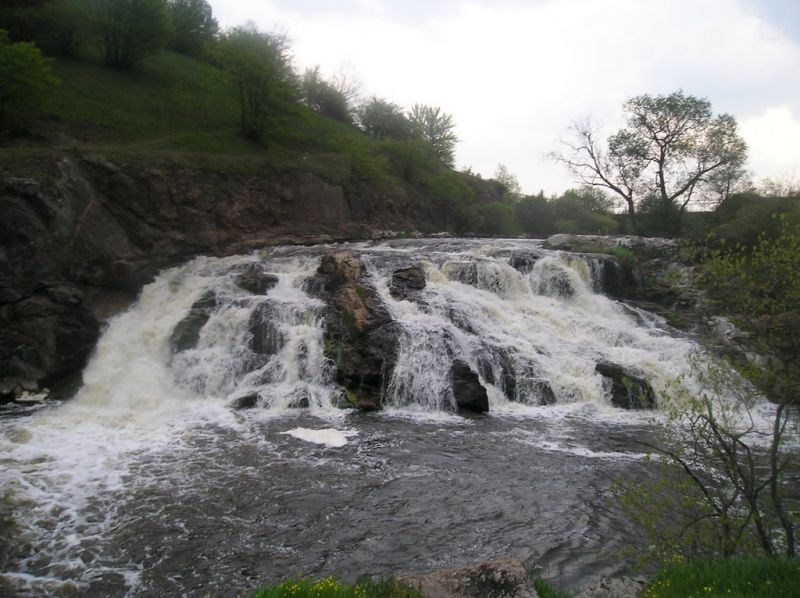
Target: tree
x,y
323,98
26,81
193,24
727,493
380,118
260,66
430,124
499,219
131,29
508,181
671,146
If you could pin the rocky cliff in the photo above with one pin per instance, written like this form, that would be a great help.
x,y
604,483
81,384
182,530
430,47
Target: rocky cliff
x,y
80,238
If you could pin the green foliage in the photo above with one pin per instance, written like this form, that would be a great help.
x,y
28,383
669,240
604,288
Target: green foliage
x,y
130,30
194,26
26,82
759,286
738,578
578,211
672,150
625,255
323,98
380,118
722,485
508,183
499,219
432,125
412,159
546,589
453,202
331,588
55,26
258,63
534,215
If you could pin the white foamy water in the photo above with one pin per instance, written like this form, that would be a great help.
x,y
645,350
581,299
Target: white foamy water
x,y
533,334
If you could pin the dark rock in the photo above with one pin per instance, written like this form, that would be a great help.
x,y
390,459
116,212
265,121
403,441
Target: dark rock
x,y
502,578
628,390
187,333
617,278
267,338
255,280
523,262
247,401
407,282
360,336
469,393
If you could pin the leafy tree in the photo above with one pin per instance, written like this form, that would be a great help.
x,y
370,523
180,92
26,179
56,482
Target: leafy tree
x,y
193,24
323,98
131,29
436,127
56,26
260,66
535,215
380,118
26,81
508,181
499,219
670,148
453,202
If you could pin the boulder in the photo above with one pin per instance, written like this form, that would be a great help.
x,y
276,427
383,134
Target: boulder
x,y
266,336
614,587
407,282
360,336
501,578
187,333
255,280
627,390
469,393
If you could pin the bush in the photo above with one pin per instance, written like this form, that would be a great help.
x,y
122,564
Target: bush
x,y
26,82
453,202
130,29
499,219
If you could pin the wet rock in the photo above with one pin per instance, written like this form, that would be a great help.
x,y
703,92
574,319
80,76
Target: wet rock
x,y
266,336
407,282
628,390
255,280
469,393
502,578
642,247
360,337
247,401
617,278
187,333
523,262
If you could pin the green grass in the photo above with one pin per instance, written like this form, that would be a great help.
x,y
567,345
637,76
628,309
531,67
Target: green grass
x,y
736,578
172,109
331,588
546,589
625,255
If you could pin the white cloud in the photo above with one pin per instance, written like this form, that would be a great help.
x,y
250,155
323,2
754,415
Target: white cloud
x,y
515,76
773,138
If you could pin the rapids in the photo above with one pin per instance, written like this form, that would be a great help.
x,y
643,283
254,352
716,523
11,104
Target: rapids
x,y
149,483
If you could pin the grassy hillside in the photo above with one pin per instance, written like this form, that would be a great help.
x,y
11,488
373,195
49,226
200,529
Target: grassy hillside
x,y
171,108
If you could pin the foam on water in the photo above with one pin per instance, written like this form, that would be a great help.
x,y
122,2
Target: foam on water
x,y
533,335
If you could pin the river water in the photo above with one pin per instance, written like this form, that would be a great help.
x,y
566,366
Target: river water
x,y
148,482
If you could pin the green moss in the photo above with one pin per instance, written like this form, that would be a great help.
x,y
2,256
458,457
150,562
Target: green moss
x,y
361,291
546,589
625,255
350,396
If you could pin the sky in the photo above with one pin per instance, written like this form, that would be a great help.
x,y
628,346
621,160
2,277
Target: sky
x,y
516,73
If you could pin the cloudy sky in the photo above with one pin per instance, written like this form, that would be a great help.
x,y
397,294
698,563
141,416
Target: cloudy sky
x,y
516,73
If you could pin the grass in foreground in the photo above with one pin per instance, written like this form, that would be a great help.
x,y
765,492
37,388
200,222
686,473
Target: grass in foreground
x,y
331,588
736,578
545,589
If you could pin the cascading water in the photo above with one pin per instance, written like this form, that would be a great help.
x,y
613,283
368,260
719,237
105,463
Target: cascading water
x,y
150,482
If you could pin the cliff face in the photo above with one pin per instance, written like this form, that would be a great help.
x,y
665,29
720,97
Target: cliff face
x,y
78,241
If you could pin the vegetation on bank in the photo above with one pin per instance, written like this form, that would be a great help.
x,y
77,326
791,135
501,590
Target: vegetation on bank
x,y
738,578
331,588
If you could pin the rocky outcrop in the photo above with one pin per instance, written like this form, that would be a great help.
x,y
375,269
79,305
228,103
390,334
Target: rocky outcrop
x,y
626,389
407,282
614,587
642,247
360,335
469,393
80,238
187,333
502,578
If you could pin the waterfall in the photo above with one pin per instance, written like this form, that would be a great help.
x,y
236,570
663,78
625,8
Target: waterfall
x,y
214,335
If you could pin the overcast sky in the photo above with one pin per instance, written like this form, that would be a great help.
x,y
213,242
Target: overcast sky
x,y
515,73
